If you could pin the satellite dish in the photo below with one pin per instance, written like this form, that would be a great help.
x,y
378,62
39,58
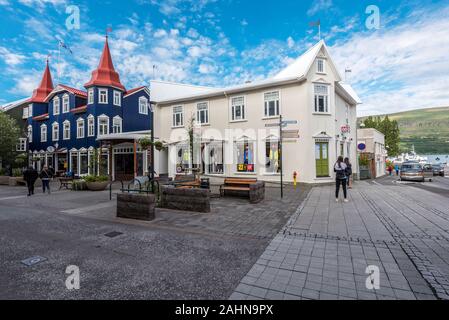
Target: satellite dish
x,y
51,149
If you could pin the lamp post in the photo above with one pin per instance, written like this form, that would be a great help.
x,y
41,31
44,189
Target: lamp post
x,y
152,146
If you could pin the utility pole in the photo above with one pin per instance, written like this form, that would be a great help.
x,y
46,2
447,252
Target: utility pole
x,y
281,157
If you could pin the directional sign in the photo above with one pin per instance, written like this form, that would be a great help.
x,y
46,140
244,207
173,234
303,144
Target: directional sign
x,y
271,125
287,122
290,134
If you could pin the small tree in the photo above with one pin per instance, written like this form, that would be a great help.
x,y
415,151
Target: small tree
x,y
9,137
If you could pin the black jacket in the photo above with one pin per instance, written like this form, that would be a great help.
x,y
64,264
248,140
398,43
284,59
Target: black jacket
x,y
46,174
30,175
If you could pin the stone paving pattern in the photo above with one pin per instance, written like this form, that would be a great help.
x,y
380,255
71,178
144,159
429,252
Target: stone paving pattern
x,y
325,248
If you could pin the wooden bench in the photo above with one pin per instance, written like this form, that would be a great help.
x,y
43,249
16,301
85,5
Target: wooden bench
x,y
254,189
66,182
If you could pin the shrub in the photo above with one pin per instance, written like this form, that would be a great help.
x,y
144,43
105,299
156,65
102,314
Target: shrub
x,y
96,178
17,173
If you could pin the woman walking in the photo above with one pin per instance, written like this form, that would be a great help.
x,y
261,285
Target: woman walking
x,y
46,176
340,170
349,172
30,176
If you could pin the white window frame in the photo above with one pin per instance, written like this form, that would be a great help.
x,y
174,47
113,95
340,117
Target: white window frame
x,y
80,124
103,92
44,133
234,106
266,104
65,104
181,113
117,98
56,106
143,110
66,130
91,126
25,113
318,65
90,96
100,126
55,129
22,145
30,110
198,112
117,122
317,95
30,133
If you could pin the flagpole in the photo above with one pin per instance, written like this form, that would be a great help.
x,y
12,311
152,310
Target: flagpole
x,y
319,31
59,61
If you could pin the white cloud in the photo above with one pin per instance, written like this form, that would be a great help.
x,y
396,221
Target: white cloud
x,y
10,58
319,5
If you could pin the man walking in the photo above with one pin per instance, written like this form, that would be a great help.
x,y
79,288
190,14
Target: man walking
x,y
30,176
46,176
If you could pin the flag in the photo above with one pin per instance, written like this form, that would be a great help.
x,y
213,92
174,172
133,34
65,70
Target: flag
x,y
315,23
108,30
63,45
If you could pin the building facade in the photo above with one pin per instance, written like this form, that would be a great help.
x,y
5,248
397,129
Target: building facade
x,y
374,150
236,130
89,131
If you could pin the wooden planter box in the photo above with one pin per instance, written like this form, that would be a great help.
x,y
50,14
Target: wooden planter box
x,y
4,180
136,206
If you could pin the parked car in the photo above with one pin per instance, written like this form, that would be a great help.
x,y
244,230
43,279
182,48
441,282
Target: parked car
x,y
438,170
428,172
412,171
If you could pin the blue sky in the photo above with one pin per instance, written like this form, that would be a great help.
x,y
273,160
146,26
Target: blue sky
x,y
401,66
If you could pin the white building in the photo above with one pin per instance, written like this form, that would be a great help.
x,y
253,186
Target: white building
x,y
236,133
374,142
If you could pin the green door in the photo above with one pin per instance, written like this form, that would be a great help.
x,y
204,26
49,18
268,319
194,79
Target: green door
x,y
322,159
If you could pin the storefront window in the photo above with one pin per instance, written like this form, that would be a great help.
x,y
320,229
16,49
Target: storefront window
x,y
214,158
103,165
182,158
84,163
272,157
74,158
245,156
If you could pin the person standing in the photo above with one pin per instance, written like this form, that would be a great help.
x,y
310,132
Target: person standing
x,y
46,176
396,168
340,170
30,176
349,172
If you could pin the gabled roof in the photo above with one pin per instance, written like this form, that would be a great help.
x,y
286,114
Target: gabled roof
x,y
301,66
135,90
62,88
15,104
165,90
45,87
105,74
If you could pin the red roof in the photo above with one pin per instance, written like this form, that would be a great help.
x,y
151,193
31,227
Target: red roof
x,y
41,117
79,109
105,74
133,90
45,87
74,91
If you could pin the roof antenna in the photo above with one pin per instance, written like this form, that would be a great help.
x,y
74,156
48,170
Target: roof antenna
x,y
347,70
154,71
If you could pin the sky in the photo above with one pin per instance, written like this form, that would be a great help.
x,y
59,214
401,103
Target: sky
x,y
402,64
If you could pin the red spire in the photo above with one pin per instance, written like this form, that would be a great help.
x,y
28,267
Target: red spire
x,y
105,75
44,88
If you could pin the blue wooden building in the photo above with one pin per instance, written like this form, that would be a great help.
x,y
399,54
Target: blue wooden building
x,y
90,131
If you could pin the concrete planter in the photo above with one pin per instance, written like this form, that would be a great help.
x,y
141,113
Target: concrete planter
x,y
97,186
195,200
136,206
4,180
365,173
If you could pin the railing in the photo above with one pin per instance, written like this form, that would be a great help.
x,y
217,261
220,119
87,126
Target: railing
x,y
148,190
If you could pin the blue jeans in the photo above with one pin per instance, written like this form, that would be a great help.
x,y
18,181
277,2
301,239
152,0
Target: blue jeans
x,y
46,185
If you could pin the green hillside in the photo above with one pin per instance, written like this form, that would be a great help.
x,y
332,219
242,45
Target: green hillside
x,y
427,129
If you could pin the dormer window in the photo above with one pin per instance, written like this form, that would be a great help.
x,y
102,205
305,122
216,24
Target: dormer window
x,y
90,96
103,96
117,98
56,106
321,66
65,104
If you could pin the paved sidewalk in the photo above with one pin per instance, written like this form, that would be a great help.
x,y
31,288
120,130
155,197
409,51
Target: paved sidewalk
x,y
325,248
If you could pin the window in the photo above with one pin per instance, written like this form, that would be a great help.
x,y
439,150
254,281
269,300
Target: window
x,y
178,117
103,96
84,163
143,105
90,96
30,133
214,158
43,133
238,108
56,106
66,130
271,104
55,132
183,158
90,126
245,156
22,146
272,157
320,65
103,125
117,125
65,104
74,162
25,113
321,98
117,98
80,128
202,113
30,110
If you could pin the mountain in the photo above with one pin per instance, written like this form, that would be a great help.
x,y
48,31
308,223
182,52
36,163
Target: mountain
x,y
427,129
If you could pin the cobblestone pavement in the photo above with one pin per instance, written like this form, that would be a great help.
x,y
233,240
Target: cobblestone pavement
x,y
325,248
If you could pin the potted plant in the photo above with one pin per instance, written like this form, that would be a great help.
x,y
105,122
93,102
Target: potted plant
x,y
96,183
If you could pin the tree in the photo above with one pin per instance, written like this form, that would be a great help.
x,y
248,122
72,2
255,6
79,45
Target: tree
x,y
10,134
389,128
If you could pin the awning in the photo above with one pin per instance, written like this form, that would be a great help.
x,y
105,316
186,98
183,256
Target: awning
x,y
129,136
